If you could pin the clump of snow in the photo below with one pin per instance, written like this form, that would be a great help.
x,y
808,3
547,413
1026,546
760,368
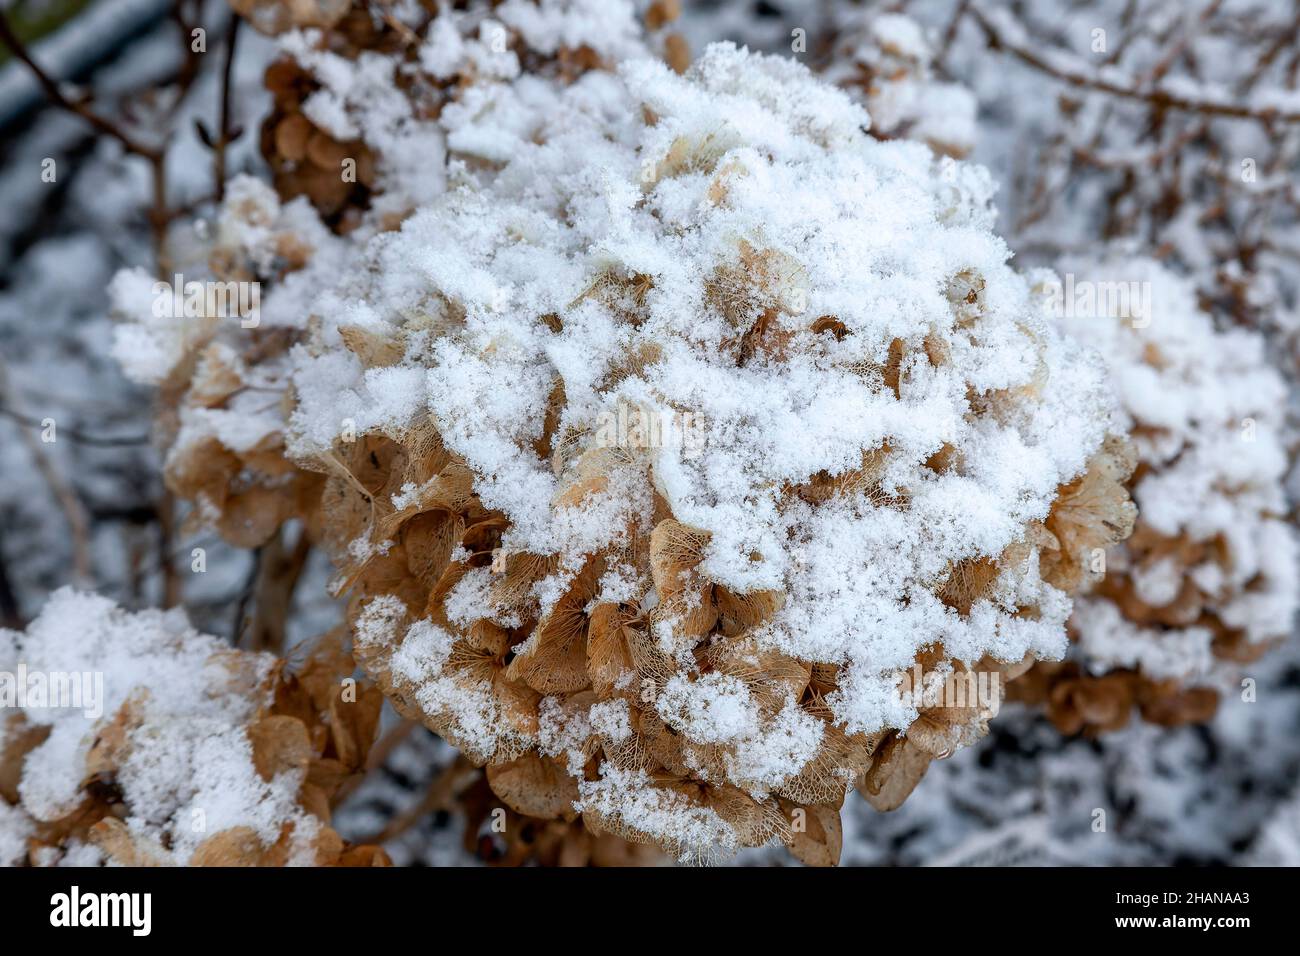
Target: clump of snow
x,y
15,828
645,813
607,27
393,103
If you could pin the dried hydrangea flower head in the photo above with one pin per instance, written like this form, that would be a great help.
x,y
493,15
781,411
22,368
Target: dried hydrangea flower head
x,y
380,93
1207,582
681,439
133,739
887,60
215,344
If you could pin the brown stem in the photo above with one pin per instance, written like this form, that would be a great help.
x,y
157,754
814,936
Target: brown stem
x,y
74,512
166,537
51,88
245,598
439,796
77,435
223,130
379,755
10,615
950,34
189,69
155,156
278,571
158,214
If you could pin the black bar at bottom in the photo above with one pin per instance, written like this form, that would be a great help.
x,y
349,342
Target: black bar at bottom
x,y
359,907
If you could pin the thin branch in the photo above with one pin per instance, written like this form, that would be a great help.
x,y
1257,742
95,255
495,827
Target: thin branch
x,y
156,156
376,759
189,69
166,543
223,130
10,615
1081,74
1181,44
51,88
950,34
78,436
439,795
245,598
1122,161
278,570
74,512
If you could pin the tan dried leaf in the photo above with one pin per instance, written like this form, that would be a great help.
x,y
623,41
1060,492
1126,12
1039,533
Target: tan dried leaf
x,y
535,786
280,744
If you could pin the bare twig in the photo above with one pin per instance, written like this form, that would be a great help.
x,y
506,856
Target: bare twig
x,y
189,70
950,34
224,129
51,88
166,539
74,512
78,436
439,796
156,156
278,571
1081,74
1181,44
1155,157
10,615
245,599
379,755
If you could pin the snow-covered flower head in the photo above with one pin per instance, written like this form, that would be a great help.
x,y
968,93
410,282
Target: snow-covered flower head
x,y
880,422
193,753
1209,576
368,117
